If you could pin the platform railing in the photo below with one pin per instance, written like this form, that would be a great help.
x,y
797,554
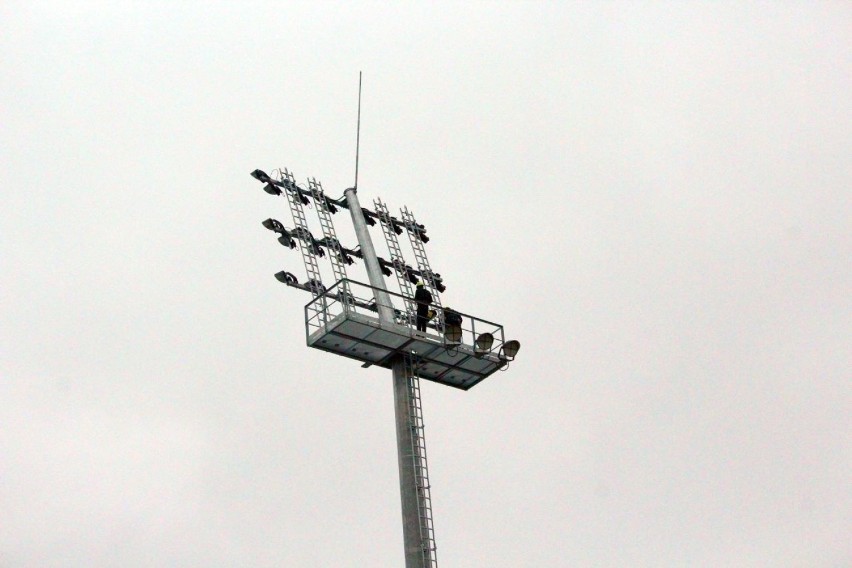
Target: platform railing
x,y
330,304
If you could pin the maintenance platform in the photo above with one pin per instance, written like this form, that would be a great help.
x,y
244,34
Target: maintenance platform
x,y
344,320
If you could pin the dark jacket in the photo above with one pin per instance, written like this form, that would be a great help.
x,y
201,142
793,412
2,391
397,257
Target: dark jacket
x,y
423,299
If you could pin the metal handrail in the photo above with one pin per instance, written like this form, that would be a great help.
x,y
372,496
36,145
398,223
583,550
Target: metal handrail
x,y
334,296
398,295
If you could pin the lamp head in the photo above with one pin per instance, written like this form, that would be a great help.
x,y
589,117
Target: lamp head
x,y
260,175
453,333
286,278
483,344
510,349
274,225
369,216
271,189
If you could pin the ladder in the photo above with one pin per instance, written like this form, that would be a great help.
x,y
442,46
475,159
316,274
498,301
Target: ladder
x,y
397,260
314,283
419,462
331,243
423,264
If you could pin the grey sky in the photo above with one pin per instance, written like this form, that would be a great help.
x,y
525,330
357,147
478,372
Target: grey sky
x,y
654,198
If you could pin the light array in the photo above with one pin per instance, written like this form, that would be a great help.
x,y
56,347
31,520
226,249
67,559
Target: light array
x,y
318,247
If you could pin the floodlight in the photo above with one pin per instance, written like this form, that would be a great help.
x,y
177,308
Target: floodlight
x,y
410,274
385,266
286,278
308,240
274,225
417,230
483,344
260,175
439,282
369,216
352,252
453,333
436,278
510,349
287,241
271,189
316,287
346,298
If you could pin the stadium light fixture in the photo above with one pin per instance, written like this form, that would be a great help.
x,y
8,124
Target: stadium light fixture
x,y
510,349
483,344
453,334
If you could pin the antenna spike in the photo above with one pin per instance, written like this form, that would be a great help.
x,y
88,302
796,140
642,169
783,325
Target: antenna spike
x,y
358,133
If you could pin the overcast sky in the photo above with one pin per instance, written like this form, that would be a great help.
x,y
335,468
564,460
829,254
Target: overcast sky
x,y
654,198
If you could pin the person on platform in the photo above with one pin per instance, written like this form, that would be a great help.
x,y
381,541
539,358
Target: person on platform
x,y
423,299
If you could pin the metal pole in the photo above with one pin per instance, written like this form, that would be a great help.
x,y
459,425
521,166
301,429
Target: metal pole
x,y
414,557
374,271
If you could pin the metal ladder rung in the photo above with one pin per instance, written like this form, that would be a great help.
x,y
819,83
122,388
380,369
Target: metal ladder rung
x,y
423,264
420,464
335,255
396,256
298,214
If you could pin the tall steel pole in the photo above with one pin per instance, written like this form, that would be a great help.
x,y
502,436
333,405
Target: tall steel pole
x,y
414,556
374,271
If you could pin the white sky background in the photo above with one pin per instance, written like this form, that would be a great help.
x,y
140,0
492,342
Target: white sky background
x,y
654,198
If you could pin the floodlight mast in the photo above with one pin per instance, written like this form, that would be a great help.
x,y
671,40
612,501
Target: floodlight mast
x,y
339,321
415,554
